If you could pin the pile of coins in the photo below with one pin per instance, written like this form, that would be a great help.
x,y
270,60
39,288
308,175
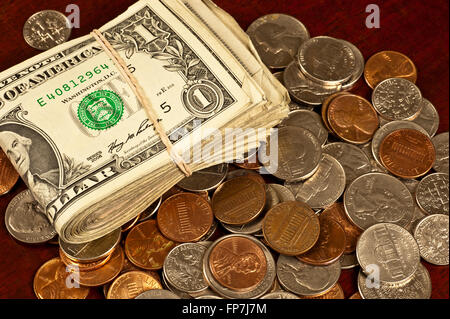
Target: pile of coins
x,y
359,184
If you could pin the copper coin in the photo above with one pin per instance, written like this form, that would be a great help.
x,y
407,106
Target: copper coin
x,y
356,295
50,282
352,233
407,153
238,263
325,106
291,228
87,266
389,64
131,284
185,217
335,292
146,247
8,174
329,247
127,226
238,201
352,118
104,274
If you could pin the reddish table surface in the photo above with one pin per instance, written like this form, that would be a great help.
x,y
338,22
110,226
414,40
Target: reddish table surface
x,y
416,28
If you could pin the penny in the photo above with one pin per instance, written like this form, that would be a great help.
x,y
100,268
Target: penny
x,y
359,66
280,295
324,110
407,153
46,29
127,226
146,247
131,284
432,194
391,249
277,38
308,120
441,143
348,261
291,228
352,233
238,201
397,99
150,211
306,280
428,118
245,172
205,179
356,295
8,174
185,217
330,245
352,118
25,220
157,294
50,282
378,198
83,266
431,235
335,292
389,64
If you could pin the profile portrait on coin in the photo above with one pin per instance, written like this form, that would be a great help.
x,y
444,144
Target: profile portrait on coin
x,y
29,219
245,263
315,279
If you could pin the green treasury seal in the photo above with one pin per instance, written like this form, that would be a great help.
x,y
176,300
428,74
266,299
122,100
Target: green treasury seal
x,y
100,110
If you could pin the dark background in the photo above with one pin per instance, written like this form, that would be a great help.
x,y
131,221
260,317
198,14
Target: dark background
x,y
416,28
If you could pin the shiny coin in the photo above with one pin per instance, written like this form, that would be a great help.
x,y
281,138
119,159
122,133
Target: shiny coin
x,y
277,38
367,149
131,284
431,235
349,261
428,118
432,194
378,198
8,174
359,66
282,193
324,110
293,106
157,294
179,293
205,179
245,172
46,29
390,248
251,228
335,292
83,266
308,120
280,295
441,146
25,220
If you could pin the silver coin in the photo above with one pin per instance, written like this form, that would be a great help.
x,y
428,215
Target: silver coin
x,y
283,193
419,287
428,118
324,187
277,38
397,99
306,280
305,91
431,235
26,221
348,261
411,184
389,248
151,210
432,194
168,285
280,295
378,198
418,215
211,231
293,106
359,66
308,120
251,228
239,172
205,179
209,297
377,168
46,29
157,294
352,158
441,143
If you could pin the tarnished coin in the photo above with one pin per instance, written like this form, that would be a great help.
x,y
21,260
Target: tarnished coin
x,y
407,153
306,280
308,120
428,118
397,99
131,284
185,217
205,179
324,187
378,198
419,287
441,143
8,174
335,292
353,160
431,235
390,249
280,295
238,201
349,261
389,64
46,29
359,66
150,211
25,220
277,38
245,172
432,194
352,118
291,228
157,294
50,282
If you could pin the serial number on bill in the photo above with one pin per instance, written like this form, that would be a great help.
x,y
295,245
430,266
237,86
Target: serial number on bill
x,y
245,309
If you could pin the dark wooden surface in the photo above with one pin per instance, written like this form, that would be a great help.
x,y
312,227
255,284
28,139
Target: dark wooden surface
x,y
416,28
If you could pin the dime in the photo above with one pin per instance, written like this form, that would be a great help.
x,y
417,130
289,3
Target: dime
x,y
359,66
407,153
378,198
308,120
291,228
397,99
150,211
441,143
432,194
157,294
131,284
389,64
431,235
25,220
8,174
324,187
352,118
238,201
46,29
277,38
349,261
245,172
280,295
419,287
391,250
179,293
205,179
50,282
146,247
306,280
335,292
428,118
185,217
